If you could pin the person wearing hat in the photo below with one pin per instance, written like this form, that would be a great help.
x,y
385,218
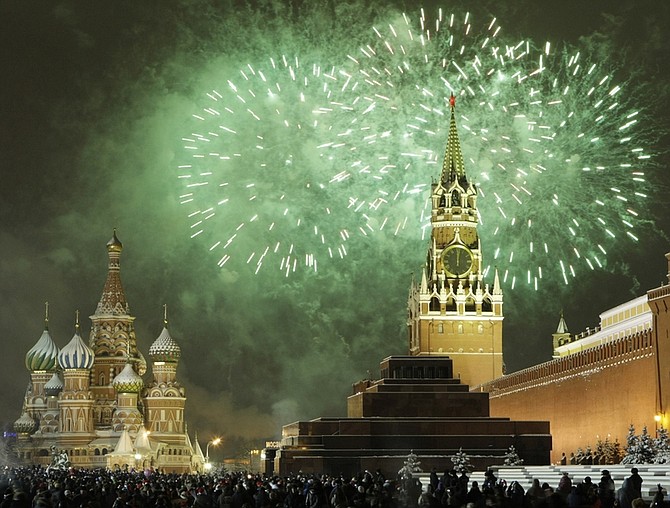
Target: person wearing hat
x,y
606,490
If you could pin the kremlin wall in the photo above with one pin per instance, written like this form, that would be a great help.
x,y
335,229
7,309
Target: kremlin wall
x,y
599,382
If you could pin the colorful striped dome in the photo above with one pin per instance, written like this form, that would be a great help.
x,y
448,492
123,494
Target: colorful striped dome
x,y
76,354
43,355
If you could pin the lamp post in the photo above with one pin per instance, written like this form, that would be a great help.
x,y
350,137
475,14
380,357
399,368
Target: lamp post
x,y
214,442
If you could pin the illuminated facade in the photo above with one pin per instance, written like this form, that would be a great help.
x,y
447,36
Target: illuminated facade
x,y
452,312
90,400
600,381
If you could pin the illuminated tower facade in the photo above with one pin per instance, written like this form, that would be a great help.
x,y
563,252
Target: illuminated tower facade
x,y
112,339
452,312
76,399
165,397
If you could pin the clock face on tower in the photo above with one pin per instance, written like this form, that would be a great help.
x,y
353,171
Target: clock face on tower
x,y
457,260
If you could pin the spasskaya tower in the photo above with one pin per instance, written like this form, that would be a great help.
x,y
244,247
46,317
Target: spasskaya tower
x,y
452,311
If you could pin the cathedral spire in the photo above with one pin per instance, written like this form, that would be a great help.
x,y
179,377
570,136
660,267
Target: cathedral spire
x,y
453,167
113,300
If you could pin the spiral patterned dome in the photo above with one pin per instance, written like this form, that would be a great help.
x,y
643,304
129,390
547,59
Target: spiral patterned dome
x,y
76,354
54,386
25,424
164,348
43,355
128,381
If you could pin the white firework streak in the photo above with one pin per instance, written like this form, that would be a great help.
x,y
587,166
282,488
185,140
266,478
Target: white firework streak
x,y
547,135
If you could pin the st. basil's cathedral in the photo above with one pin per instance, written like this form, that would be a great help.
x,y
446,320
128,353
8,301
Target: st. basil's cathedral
x,y
89,401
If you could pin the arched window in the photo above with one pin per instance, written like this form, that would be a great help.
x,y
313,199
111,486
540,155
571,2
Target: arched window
x,y
451,304
435,303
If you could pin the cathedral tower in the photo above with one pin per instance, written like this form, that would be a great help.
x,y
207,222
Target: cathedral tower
x,y
112,339
42,362
76,398
165,397
452,312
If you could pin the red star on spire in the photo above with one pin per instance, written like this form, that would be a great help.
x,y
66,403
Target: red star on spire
x,y
452,100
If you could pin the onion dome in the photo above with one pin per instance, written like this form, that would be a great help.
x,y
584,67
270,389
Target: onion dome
x,y
25,424
164,348
76,354
114,244
54,386
127,381
44,354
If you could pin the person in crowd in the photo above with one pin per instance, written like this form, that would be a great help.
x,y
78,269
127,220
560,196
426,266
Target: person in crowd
x,y
626,494
475,497
535,494
658,502
606,494
635,482
564,485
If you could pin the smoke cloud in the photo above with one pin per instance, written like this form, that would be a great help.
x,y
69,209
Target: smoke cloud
x,y
99,100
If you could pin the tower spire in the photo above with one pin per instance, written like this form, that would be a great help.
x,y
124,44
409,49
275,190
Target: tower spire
x,y
453,167
113,300
46,315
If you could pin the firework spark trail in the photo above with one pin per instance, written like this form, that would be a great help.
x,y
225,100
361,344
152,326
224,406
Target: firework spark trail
x,y
548,136
287,161
253,180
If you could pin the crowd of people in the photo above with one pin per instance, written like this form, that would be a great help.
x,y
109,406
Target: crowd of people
x,y
38,487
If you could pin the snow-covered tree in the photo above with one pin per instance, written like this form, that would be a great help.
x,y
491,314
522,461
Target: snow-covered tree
x,y
662,447
461,462
640,449
410,466
632,441
512,457
608,452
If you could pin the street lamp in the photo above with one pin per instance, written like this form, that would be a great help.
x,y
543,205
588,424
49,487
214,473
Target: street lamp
x,y
214,442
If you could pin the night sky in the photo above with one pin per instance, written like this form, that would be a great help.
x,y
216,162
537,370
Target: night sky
x,y
96,98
